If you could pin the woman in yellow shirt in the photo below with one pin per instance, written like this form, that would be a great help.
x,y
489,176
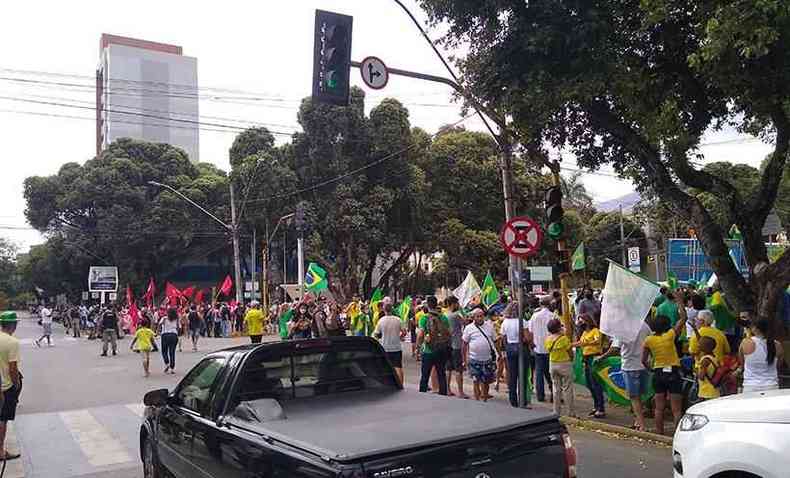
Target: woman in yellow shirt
x,y
144,338
708,364
666,364
558,345
591,342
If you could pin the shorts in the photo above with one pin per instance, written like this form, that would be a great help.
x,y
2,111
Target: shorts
x,y
482,372
635,382
395,359
455,364
194,333
664,382
256,339
10,400
47,328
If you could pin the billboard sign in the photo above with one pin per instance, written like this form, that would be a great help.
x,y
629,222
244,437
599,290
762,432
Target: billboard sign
x,y
103,279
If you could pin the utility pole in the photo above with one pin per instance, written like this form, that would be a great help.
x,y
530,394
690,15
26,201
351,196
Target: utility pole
x,y
234,226
253,261
561,250
285,264
622,239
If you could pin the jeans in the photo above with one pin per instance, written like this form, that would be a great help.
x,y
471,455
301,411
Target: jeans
x,y
595,387
169,343
512,372
226,328
436,359
109,337
542,375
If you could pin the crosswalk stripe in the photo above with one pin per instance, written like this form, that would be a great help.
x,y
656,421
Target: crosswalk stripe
x,y
98,445
15,468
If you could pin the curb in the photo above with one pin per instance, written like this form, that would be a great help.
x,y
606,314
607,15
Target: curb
x,y
606,427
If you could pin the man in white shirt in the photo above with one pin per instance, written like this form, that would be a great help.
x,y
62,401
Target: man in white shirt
x,y
389,331
634,373
46,325
510,331
478,343
538,327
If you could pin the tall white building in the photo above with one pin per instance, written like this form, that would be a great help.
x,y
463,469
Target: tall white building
x,y
147,91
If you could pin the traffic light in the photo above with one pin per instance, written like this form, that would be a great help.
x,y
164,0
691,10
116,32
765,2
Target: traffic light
x,y
332,58
554,213
299,217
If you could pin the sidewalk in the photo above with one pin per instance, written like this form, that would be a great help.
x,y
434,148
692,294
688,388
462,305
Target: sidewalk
x,y
618,419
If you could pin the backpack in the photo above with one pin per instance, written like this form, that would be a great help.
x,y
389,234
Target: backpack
x,y
439,333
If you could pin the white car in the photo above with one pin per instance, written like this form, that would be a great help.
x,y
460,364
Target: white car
x,y
740,436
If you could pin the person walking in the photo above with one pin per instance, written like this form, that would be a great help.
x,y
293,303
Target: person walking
x,y
666,365
433,338
209,318
479,353
760,357
253,322
11,378
560,358
46,326
456,364
195,324
390,332
74,321
108,329
510,329
591,342
538,327
169,326
144,338
225,320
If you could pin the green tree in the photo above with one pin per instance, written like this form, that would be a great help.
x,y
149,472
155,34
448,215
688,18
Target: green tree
x,y
602,241
636,84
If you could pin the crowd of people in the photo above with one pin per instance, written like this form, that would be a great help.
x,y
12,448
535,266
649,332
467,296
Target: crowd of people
x,y
682,353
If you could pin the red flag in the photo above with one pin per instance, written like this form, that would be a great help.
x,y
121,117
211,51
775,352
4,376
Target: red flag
x,y
188,292
172,293
200,296
134,314
150,292
227,286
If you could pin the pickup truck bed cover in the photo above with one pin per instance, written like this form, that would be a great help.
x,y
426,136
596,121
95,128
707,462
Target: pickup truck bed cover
x,y
355,425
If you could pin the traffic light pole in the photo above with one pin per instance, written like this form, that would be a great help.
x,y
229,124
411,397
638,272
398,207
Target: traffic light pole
x,y
566,306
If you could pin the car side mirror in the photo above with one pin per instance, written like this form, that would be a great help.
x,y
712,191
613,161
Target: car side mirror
x,y
156,398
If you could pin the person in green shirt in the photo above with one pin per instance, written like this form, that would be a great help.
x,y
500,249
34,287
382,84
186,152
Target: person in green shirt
x,y
433,339
669,309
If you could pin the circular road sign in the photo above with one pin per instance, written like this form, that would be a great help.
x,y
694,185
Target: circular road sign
x,y
521,237
374,72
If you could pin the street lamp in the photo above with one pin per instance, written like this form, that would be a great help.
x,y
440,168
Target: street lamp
x,y
265,296
233,228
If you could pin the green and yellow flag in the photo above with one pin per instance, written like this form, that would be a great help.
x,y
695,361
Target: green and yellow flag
x,y
403,310
490,294
315,279
672,280
284,319
578,261
375,305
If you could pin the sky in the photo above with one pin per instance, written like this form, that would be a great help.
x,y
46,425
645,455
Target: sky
x,y
263,47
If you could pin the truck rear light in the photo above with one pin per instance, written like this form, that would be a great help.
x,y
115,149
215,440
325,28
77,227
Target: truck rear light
x,y
570,456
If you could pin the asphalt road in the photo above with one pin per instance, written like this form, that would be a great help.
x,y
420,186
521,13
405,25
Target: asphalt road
x,y
79,414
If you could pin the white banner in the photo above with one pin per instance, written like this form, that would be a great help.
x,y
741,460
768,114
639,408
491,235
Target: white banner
x,y
103,279
627,299
468,290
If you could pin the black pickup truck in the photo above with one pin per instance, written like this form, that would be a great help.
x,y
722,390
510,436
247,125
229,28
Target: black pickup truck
x,y
334,408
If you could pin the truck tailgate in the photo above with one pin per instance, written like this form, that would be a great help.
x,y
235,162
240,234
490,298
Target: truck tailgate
x,y
535,451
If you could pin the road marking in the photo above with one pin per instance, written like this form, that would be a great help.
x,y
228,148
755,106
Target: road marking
x,y
136,408
98,445
15,468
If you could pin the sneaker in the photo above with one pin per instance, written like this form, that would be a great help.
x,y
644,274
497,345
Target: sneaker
x,y
103,354
167,369
114,353
37,343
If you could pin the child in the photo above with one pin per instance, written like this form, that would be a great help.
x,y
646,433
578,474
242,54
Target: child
x,y
558,346
707,369
144,338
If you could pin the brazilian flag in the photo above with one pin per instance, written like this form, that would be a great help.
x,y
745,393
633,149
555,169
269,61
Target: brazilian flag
x,y
403,310
490,294
315,279
375,305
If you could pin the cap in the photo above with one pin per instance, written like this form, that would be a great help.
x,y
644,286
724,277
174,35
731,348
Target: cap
x,y
8,316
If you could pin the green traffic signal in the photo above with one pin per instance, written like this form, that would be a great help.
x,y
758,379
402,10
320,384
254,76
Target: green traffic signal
x,y
555,230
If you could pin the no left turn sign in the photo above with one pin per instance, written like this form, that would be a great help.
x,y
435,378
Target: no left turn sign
x,y
521,237
374,72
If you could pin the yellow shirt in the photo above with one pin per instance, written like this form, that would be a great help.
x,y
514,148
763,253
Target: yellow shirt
x,y
663,349
559,347
144,339
9,352
706,389
592,342
722,345
253,320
